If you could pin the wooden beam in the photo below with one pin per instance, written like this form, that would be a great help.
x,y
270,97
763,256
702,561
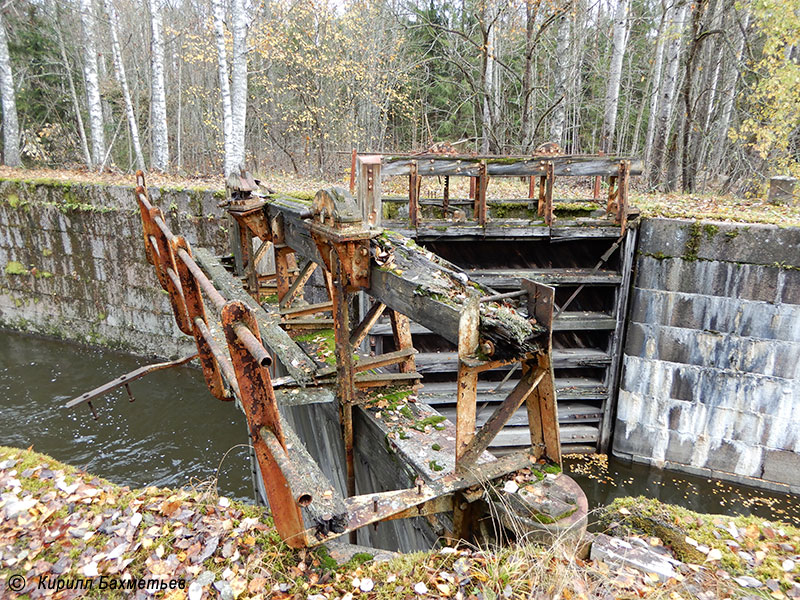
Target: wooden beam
x,y
369,189
401,333
298,283
382,360
311,309
505,166
500,417
369,320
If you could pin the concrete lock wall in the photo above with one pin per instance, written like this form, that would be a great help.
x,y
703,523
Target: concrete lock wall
x,y
711,381
72,262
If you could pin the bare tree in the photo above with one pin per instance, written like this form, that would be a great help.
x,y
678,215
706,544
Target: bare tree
x,y
158,104
669,86
119,72
218,8
560,77
238,82
666,14
619,42
10,124
92,84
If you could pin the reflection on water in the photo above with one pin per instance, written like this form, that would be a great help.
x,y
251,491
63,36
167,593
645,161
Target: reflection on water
x,y
604,478
174,434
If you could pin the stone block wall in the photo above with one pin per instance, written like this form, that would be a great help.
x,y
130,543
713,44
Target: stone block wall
x,y
72,262
711,367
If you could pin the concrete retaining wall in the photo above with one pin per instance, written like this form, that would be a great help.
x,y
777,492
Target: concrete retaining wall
x,y
72,262
711,381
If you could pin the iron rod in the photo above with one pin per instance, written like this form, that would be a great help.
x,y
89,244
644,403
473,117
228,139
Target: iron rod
x,y
504,296
253,344
205,283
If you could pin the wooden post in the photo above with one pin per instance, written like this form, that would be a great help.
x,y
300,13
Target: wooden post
x,y
622,194
612,195
546,184
446,196
353,171
369,189
467,391
414,213
532,187
596,187
401,332
480,193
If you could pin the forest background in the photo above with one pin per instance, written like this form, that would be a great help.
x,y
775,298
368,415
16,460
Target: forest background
x,y
707,92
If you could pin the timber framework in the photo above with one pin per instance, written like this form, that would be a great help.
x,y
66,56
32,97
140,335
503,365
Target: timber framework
x,y
378,276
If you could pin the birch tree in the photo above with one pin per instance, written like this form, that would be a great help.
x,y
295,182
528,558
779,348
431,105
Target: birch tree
x,y
122,79
10,124
666,14
158,103
560,77
619,41
93,102
238,83
669,87
218,8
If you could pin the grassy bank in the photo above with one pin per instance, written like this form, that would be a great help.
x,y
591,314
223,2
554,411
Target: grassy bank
x,y
60,522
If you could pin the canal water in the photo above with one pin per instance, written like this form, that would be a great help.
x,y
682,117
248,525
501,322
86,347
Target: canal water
x,y
174,434
177,434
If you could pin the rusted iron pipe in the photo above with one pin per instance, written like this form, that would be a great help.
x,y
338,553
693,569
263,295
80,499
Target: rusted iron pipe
x,y
154,244
163,227
222,360
296,481
496,297
208,287
253,345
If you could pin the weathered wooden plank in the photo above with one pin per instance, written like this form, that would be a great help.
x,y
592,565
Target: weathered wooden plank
x,y
413,281
508,279
310,309
563,358
574,165
568,413
363,329
500,416
368,380
383,360
298,283
297,363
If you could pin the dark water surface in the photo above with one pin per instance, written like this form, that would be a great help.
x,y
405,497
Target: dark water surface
x,y
175,433
605,478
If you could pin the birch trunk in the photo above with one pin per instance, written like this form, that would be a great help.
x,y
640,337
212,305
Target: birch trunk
x,y
488,76
526,126
726,110
224,83
619,42
93,102
87,157
238,83
669,87
10,123
561,69
122,79
158,103
666,15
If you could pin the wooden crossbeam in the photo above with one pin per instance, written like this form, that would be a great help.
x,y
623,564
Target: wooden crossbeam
x,y
383,360
311,309
368,380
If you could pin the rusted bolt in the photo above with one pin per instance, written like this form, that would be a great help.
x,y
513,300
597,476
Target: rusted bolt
x,y
374,504
487,348
463,506
419,483
364,251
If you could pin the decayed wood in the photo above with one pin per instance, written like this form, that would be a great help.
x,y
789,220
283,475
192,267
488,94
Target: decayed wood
x,y
369,320
411,280
622,195
369,189
301,311
414,183
401,333
297,363
383,360
369,380
467,391
500,417
507,166
297,285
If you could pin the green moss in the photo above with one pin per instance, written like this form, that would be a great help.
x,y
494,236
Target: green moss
x,y
326,344
271,299
15,268
552,468
711,230
692,246
324,556
435,466
47,252
433,420
436,447
731,235
43,274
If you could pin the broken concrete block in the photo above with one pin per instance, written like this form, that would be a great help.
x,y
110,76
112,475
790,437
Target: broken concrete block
x,y
640,556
